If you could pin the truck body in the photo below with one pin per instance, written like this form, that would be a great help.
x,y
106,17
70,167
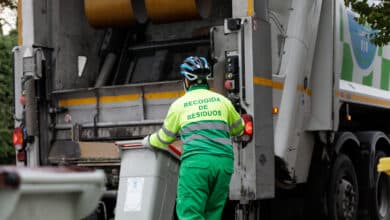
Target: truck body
x,y
94,72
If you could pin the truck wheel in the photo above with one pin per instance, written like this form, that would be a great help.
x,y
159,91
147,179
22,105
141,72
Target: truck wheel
x,y
381,200
343,193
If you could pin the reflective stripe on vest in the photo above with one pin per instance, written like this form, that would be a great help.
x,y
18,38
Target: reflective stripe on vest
x,y
236,124
205,125
168,132
161,140
234,128
193,137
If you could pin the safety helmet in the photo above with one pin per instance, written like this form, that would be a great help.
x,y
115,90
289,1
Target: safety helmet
x,y
194,68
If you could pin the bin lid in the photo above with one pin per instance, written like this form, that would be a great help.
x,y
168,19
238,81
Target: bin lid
x,y
84,185
137,144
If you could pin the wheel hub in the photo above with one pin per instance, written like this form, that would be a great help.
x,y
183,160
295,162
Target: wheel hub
x,y
346,199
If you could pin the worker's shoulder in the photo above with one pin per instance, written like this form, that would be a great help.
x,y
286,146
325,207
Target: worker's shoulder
x,y
179,101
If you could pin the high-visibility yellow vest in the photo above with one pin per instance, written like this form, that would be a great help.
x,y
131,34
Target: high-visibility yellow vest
x,y
206,120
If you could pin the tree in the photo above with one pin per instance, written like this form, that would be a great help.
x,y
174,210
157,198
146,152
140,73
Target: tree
x,y
376,15
8,4
7,153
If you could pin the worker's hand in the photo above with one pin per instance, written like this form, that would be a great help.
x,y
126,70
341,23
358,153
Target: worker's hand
x,y
145,141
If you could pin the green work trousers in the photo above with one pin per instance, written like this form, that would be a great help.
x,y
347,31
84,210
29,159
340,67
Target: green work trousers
x,y
203,187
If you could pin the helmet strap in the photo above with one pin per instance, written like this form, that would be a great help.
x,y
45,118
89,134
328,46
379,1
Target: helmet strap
x,y
186,84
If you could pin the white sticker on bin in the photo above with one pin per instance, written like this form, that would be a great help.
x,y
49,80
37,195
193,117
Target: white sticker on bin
x,y
133,201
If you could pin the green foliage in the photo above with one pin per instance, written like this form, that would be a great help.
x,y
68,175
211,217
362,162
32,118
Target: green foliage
x,y
375,15
8,4
11,4
7,153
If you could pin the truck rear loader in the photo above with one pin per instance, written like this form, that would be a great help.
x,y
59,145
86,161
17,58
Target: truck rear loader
x,y
89,73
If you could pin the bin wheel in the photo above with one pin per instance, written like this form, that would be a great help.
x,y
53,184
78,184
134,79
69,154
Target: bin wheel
x,y
381,200
343,194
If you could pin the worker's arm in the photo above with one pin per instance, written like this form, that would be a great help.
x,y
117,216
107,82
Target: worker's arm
x,y
167,134
236,124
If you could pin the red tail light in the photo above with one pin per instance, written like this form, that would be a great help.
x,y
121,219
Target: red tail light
x,y
131,145
18,136
22,100
248,128
21,155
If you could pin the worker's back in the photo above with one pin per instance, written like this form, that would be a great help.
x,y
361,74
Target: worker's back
x,y
205,121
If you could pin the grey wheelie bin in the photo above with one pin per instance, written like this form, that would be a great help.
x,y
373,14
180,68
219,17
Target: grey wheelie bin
x,y
49,193
148,180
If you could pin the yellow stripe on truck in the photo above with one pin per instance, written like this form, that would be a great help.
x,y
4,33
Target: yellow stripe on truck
x,y
164,95
301,88
250,8
80,101
277,85
120,98
20,23
267,82
362,98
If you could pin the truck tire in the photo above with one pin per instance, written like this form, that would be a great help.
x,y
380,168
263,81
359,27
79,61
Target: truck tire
x,y
381,195
343,192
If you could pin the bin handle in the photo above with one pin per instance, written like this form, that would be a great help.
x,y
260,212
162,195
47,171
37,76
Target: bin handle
x,y
132,144
174,150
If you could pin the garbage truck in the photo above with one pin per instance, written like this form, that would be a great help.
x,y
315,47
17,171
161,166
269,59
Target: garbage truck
x,y
93,72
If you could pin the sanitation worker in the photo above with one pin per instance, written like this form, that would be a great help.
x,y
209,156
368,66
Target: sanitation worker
x,y
206,120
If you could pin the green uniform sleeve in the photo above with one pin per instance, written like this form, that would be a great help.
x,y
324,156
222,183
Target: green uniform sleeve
x,y
167,134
